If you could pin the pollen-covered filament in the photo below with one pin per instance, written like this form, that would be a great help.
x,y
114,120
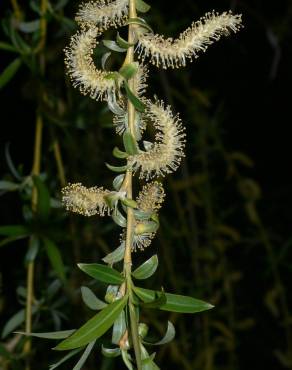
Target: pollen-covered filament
x,y
103,14
85,201
96,83
168,52
165,154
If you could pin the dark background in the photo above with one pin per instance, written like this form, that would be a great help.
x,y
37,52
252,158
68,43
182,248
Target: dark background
x,y
242,84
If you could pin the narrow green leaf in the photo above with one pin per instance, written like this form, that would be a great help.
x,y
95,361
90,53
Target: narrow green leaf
x,y
140,22
115,256
10,163
11,239
84,356
174,302
130,143
119,153
33,249
65,358
117,168
102,273
147,269
112,45
104,59
62,334
142,7
14,230
90,299
138,104
43,199
7,47
123,43
127,359
29,27
15,321
129,70
55,258
9,72
110,352
118,180
119,328
119,219
8,185
95,327
168,337
129,202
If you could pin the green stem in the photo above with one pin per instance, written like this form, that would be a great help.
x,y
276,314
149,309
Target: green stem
x,y
130,216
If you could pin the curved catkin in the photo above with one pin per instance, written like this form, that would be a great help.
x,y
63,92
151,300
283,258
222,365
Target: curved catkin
x,y
151,197
165,154
82,70
85,201
102,14
168,52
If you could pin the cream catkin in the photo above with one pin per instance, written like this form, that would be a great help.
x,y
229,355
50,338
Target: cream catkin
x,y
81,68
102,14
169,52
85,201
165,154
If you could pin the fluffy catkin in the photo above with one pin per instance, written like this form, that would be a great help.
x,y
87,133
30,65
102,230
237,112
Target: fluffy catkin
x,y
174,53
81,68
102,14
85,201
151,197
165,154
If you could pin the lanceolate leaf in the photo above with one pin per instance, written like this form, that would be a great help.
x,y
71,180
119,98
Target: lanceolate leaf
x,y
9,72
130,143
90,299
95,327
117,168
119,328
65,358
112,45
116,256
15,321
168,337
147,268
174,302
142,7
62,334
14,230
84,356
102,273
138,104
55,258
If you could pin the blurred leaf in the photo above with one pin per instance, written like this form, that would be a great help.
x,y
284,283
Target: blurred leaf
x,y
138,104
174,302
90,299
115,256
146,269
14,230
33,248
65,358
95,327
7,47
110,352
29,27
102,273
15,321
43,199
8,185
11,239
62,334
142,7
130,143
9,161
84,356
55,258
9,72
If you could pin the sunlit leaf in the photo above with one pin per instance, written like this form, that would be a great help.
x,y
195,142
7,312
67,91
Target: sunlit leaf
x,y
95,327
147,269
102,273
